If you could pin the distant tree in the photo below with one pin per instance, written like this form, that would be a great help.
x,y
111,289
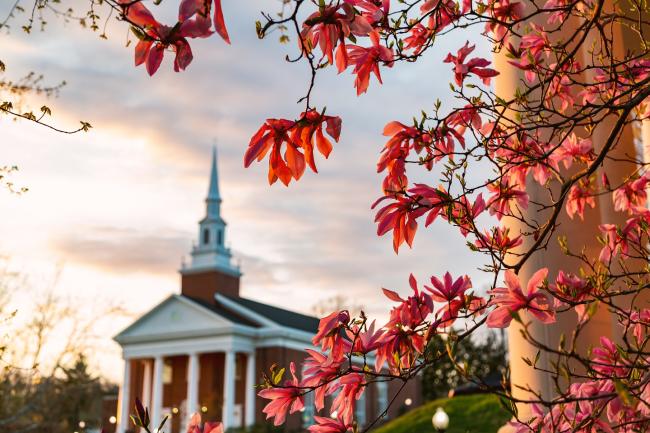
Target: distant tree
x,y
335,303
46,385
473,360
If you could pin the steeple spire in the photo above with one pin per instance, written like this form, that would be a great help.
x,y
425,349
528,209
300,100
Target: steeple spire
x,y
213,190
211,253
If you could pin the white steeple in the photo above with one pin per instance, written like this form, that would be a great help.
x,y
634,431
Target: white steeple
x,y
210,252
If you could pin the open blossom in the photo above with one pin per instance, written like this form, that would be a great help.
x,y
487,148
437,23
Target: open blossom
x,y
364,341
510,299
297,139
400,347
506,196
476,65
412,311
400,217
402,140
632,194
504,11
561,87
574,149
463,213
608,361
640,323
329,425
366,60
194,426
328,27
571,288
617,240
498,239
319,373
451,293
417,39
283,399
349,388
193,22
443,12
466,117
331,334
433,199
580,196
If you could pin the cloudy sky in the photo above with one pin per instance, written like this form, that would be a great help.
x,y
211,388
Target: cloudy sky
x,y
116,208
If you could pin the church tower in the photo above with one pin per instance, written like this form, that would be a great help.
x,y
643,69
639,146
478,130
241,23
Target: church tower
x,y
211,269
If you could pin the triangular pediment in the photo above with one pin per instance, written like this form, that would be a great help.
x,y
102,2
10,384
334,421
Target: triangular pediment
x,y
175,317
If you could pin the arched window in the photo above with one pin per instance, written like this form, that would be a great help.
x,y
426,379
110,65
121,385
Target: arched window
x,y
206,236
219,237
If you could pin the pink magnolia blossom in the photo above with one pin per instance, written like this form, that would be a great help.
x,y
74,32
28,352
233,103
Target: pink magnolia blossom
x,y
506,196
571,288
450,292
417,39
400,217
640,323
349,388
504,11
328,27
412,311
632,194
364,342
498,239
580,196
367,60
476,65
617,240
319,373
193,22
433,199
402,139
443,13
329,425
283,399
608,361
463,213
400,347
331,334
574,149
510,299
194,426
297,139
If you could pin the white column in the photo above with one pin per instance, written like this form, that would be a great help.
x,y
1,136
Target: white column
x,y
192,384
228,390
125,398
250,389
146,383
157,398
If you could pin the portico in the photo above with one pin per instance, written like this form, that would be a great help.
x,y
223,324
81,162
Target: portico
x,y
153,381
182,358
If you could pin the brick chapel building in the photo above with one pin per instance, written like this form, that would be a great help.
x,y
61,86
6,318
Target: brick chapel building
x,y
203,350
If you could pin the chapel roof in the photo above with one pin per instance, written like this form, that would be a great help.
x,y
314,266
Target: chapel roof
x,y
282,317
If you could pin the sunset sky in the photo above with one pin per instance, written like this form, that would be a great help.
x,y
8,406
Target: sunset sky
x,y
118,207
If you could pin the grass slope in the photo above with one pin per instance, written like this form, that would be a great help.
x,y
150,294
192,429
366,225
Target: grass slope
x,y
479,413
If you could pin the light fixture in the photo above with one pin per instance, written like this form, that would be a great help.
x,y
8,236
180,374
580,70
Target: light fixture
x,y
204,409
112,419
408,402
82,424
440,420
175,410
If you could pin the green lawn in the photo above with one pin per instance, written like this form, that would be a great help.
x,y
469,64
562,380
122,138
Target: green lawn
x,y
479,413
